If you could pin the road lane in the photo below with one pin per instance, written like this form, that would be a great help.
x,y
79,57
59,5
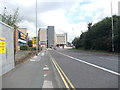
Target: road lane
x,y
85,76
105,60
94,65
63,76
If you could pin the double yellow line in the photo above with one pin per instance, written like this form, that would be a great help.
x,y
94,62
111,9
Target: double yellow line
x,y
63,76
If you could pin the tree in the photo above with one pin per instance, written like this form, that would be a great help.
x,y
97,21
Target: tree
x,y
98,36
76,41
30,43
11,19
89,25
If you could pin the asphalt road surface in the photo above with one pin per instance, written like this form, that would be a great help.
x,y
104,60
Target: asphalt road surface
x,y
87,69
64,68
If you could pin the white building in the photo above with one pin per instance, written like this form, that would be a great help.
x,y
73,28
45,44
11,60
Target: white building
x,y
61,39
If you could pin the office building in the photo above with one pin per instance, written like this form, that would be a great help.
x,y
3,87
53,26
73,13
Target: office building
x,y
50,36
61,39
20,38
42,37
24,30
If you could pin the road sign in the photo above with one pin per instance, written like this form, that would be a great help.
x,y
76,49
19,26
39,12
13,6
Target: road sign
x,y
34,42
2,45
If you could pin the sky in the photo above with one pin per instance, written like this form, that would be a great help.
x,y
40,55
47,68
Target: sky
x,y
67,16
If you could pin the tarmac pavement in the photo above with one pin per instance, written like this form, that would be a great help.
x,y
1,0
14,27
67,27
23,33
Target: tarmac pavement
x,y
34,73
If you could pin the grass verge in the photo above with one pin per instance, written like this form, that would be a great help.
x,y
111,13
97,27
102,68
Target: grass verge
x,y
96,51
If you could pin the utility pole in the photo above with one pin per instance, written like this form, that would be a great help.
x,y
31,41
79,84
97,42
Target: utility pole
x,y
36,32
112,29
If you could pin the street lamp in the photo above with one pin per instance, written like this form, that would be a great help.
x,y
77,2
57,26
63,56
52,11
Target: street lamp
x,y
112,29
36,31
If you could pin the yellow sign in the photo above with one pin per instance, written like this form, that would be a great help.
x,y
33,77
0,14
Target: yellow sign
x,y
33,42
2,45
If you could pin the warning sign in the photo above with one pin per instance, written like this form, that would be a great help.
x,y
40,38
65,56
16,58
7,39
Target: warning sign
x,y
2,45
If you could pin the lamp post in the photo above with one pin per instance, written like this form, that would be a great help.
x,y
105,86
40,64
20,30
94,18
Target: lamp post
x,y
36,32
112,29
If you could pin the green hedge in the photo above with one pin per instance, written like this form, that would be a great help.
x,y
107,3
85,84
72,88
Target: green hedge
x,y
24,47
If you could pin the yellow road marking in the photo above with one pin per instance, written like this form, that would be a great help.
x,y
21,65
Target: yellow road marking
x,y
59,69
60,73
62,77
66,77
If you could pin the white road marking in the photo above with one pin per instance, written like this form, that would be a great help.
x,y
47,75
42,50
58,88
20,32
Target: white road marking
x,y
45,68
35,58
45,75
43,54
38,53
32,60
97,66
47,84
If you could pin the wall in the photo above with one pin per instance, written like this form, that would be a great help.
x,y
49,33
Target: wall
x,y
7,58
0,62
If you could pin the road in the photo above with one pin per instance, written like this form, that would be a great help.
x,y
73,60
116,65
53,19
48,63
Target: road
x,y
63,68
87,69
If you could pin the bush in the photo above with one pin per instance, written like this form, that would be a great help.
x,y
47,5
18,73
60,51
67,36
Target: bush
x,y
34,48
24,47
30,43
30,48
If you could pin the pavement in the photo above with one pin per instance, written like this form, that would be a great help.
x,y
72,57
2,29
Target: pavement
x,y
34,73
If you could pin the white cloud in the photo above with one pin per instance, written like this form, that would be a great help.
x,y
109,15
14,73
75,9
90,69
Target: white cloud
x,y
58,19
54,13
55,17
31,29
74,8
